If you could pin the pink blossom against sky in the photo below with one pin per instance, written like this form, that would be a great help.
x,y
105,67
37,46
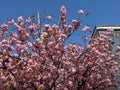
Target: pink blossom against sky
x,y
102,12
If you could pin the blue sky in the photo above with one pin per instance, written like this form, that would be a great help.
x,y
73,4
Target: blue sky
x,y
102,12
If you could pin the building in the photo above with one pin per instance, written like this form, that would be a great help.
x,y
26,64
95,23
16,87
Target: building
x,y
98,30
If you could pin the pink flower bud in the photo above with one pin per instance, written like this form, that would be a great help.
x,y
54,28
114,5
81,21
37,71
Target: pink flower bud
x,y
63,11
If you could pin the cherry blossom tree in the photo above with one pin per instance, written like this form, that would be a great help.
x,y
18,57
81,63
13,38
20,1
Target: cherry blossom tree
x,y
30,60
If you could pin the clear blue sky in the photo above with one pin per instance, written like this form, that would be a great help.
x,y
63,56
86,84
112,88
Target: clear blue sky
x,y
102,12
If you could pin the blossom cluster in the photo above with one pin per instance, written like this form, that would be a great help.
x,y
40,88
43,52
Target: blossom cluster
x,y
30,60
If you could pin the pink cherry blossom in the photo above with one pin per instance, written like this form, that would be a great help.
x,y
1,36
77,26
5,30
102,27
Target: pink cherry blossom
x,y
11,22
30,44
30,60
20,19
30,19
85,29
118,48
47,26
48,17
4,26
55,26
104,36
80,12
63,36
4,41
85,38
70,27
74,21
73,70
1,34
32,27
44,35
